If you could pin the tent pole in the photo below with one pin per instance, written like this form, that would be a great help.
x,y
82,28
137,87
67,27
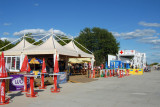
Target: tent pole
x,y
60,39
83,46
38,40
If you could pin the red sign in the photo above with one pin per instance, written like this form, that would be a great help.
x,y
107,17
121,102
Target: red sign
x,y
121,52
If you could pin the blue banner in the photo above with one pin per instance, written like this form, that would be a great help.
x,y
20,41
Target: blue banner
x,y
117,64
122,65
111,64
127,66
62,78
106,67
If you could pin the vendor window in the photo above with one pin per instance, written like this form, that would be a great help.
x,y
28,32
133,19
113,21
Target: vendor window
x,y
12,63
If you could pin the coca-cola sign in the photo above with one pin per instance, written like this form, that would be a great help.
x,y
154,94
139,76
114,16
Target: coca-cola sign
x,y
2,90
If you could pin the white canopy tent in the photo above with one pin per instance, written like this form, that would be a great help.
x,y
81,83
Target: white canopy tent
x,y
50,46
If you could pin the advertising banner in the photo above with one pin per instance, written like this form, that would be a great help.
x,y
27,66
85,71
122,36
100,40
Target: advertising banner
x,y
111,64
136,71
16,83
122,65
62,78
127,66
117,64
106,67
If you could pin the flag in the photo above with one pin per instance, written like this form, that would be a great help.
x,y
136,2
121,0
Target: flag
x,y
3,72
44,67
56,68
25,65
106,67
0,66
101,66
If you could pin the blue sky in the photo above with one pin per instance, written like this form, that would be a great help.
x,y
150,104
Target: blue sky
x,y
135,23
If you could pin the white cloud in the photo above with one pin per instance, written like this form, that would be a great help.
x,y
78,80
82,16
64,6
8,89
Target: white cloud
x,y
5,33
38,31
151,40
154,41
135,34
116,34
58,32
8,38
156,47
6,24
158,34
33,31
36,4
149,24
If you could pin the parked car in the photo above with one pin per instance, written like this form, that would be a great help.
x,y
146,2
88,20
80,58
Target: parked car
x,y
147,69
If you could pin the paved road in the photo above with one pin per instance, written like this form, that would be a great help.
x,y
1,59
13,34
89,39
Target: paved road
x,y
132,91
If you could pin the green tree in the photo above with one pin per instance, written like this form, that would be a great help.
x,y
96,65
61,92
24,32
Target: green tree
x,y
65,39
100,42
30,39
4,43
155,63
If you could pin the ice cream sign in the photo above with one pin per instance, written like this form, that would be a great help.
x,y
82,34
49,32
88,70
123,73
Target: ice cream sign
x,y
17,82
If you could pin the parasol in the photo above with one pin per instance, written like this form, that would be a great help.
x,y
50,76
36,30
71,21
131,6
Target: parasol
x,y
42,75
44,67
35,61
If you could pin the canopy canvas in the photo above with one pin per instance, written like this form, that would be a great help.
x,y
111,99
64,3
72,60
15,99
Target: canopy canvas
x,y
71,45
79,60
50,46
19,48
